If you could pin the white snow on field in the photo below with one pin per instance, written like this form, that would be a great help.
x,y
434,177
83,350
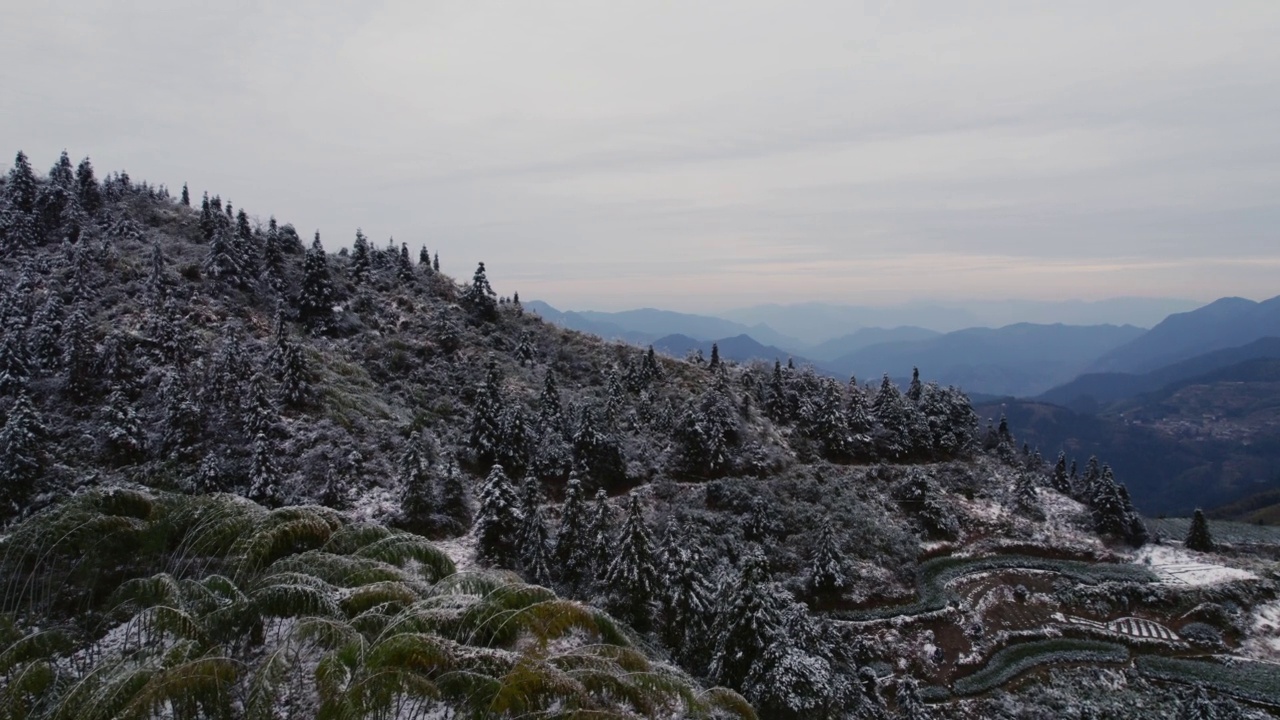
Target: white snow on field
x,y
461,550
1263,641
1176,566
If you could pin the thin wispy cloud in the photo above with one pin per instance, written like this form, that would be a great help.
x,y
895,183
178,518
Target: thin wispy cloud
x,y
701,155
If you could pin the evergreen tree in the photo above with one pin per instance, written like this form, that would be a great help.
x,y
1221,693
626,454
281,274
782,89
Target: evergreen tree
x,y
22,456
1025,494
288,364
123,438
516,439
535,539
573,553
57,197
524,351
78,353
479,297
87,187
632,577
824,421
893,434
273,257
488,409
186,196
552,457
1109,514
915,391
687,600
417,494
709,433
424,259
601,534
208,222
20,187
264,474
435,262
1198,537
596,451
1061,482
360,262
259,415
43,343
454,502
14,366
222,262
404,265
826,565
180,428
209,476
498,522
224,384
315,301
714,364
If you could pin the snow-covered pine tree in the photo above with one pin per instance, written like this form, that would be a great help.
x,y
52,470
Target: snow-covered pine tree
x,y
209,476
87,186
823,419
714,364
632,582
360,260
259,415
20,188
552,458
573,549
893,436
78,353
600,532
758,524
225,383
749,621
597,453
524,352
315,301
264,474
404,265
479,296
687,601
1059,480
486,436
223,261
454,501
22,456
273,257
43,341
180,426
288,364
186,196
916,390
1198,536
516,445
827,564
535,539
14,367
417,491
1025,494
1109,515
123,438
498,522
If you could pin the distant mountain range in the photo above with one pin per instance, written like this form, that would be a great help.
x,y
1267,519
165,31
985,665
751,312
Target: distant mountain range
x,y
1021,360
816,323
1093,392
1225,323
646,325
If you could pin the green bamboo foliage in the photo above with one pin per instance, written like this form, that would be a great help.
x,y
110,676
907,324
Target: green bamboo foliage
x,y
214,607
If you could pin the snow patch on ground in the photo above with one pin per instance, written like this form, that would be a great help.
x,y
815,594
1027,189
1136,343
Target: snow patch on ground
x,y
461,550
1177,566
1263,642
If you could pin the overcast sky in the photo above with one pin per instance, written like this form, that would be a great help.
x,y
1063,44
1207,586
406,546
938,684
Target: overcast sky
x,y
699,155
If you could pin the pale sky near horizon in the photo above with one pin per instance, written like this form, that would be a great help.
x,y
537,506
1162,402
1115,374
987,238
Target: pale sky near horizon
x,y
699,155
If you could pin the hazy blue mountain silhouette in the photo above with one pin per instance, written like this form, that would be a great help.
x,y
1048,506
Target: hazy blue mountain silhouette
x,y
1225,323
866,337
1095,391
1024,359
